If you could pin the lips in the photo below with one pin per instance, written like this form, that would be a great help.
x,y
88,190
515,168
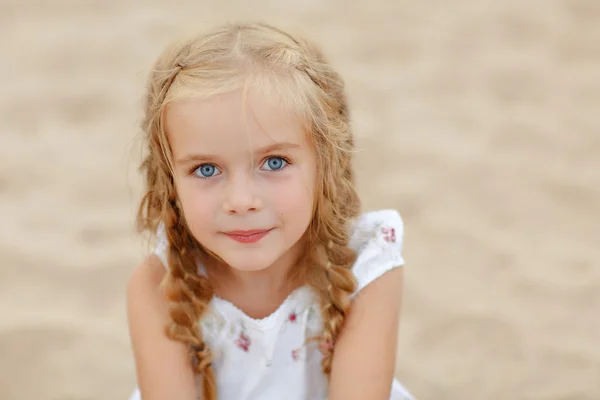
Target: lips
x,y
248,236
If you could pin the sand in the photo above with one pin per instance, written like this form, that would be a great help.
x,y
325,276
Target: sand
x,y
476,119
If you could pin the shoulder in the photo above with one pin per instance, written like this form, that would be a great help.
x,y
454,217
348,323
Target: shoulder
x,y
144,293
162,365
147,304
377,237
376,224
149,272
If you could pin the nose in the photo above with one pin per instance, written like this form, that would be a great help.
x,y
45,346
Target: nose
x,y
240,197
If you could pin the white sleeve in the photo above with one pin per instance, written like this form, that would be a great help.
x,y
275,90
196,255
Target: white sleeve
x,y
377,238
162,245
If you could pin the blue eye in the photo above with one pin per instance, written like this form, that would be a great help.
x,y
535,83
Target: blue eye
x,y
274,164
206,171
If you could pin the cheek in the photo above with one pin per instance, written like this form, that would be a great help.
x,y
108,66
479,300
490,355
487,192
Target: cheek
x,y
197,204
295,200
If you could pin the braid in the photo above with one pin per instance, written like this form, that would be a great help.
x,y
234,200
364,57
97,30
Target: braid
x,y
190,294
330,275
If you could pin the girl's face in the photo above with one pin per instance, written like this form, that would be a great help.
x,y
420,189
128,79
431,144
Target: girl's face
x,y
245,174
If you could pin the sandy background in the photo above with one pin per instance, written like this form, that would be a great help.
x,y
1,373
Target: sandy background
x,y
478,120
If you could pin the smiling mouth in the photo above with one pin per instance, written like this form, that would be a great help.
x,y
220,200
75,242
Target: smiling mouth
x,y
250,236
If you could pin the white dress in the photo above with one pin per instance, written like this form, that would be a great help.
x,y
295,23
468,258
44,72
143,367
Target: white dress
x,y
269,358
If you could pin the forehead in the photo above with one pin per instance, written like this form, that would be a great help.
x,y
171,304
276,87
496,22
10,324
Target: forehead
x,y
230,124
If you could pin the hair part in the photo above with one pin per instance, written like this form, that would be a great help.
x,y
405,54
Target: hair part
x,y
295,73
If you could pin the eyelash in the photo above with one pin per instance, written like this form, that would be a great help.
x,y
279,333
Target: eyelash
x,y
286,159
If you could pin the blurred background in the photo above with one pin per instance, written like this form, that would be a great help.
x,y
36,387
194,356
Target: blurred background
x,y
477,120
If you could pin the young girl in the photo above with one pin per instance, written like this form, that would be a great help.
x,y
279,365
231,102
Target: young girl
x,y
268,281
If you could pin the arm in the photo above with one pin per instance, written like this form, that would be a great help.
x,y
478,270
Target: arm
x,y
162,365
365,353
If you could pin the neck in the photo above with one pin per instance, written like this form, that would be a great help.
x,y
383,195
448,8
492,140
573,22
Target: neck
x,y
259,293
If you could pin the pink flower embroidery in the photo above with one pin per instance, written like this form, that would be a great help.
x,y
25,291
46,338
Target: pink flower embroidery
x,y
389,234
293,317
243,342
295,354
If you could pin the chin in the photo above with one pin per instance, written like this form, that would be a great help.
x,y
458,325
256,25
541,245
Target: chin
x,y
249,263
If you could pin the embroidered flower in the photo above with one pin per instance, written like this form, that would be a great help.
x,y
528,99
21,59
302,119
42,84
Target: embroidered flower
x,y
389,234
243,342
295,354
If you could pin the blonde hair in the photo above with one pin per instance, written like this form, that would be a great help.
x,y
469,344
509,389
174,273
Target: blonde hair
x,y
297,73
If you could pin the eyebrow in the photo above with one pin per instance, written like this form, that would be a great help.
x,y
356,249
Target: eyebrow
x,y
284,146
